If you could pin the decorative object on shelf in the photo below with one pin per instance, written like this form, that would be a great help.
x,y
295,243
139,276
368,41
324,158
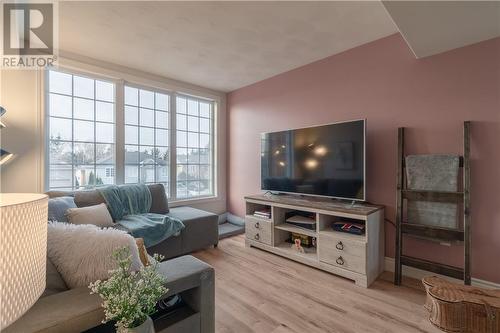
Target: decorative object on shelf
x,y
457,308
23,253
307,241
302,221
297,245
436,172
4,155
130,297
349,227
441,194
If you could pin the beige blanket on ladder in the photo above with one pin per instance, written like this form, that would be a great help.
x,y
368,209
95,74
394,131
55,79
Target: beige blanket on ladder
x,y
432,173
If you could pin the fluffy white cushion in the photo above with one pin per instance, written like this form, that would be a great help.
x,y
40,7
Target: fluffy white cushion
x,y
83,253
97,215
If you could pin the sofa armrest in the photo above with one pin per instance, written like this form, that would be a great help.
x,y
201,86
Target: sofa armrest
x,y
73,310
196,280
76,310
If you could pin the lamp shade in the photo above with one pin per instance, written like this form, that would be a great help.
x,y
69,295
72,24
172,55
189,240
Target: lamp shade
x,y
23,253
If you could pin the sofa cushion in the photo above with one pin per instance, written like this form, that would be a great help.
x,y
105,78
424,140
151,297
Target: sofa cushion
x,y
201,228
97,215
159,202
57,193
58,207
188,214
74,310
88,198
169,248
83,253
54,282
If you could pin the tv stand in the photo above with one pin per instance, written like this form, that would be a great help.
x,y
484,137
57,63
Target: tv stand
x,y
356,257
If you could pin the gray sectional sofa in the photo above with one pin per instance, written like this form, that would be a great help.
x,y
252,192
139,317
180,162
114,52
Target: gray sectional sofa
x,y
201,227
76,310
62,310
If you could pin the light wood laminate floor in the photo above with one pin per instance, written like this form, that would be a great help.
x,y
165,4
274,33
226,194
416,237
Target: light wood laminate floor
x,y
260,292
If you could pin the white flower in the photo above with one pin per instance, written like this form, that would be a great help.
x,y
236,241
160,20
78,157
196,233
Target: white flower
x,y
129,297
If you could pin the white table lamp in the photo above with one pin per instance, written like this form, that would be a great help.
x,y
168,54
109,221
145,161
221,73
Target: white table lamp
x,y
23,253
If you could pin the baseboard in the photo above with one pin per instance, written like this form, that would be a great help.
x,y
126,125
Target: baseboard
x,y
419,274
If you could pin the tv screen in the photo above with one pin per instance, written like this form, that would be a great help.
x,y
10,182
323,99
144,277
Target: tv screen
x,y
327,160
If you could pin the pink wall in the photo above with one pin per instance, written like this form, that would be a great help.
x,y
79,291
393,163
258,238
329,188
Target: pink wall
x,y
383,82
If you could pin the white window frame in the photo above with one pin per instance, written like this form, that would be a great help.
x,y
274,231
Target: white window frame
x,y
213,145
119,165
46,117
170,111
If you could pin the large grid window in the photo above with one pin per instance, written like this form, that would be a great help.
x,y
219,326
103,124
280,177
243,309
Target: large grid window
x,y
163,136
147,154
194,148
80,130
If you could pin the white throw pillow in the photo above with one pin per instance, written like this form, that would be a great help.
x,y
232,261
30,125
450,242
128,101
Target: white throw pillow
x,y
83,253
97,215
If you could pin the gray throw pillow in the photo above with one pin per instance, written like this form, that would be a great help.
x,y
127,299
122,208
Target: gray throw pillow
x,y
159,202
58,207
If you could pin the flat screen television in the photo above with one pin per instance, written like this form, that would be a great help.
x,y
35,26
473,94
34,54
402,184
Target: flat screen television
x,y
326,160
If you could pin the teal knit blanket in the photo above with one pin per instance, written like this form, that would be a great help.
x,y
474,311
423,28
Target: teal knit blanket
x,y
129,206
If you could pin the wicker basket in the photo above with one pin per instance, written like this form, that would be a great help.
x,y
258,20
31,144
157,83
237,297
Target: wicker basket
x,y
457,308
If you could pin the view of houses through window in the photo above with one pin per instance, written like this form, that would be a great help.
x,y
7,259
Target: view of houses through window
x,y
147,155
81,131
194,148
82,143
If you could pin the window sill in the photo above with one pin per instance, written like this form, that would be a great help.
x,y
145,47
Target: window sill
x,y
184,202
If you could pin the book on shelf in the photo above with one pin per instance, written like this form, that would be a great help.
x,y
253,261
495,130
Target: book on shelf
x,y
349,227
264,213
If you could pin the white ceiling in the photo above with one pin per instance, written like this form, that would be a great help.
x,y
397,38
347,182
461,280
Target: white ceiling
x,y
218,45
227,45
432,27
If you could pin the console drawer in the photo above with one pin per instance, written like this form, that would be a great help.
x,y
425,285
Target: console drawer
x,y
341,245
352,263
342,253
258,229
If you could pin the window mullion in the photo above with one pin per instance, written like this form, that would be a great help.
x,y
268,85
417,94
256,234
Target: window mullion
x,y
119,132
73,174
173,147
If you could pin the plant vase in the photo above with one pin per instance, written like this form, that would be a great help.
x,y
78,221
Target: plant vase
x,y
146,327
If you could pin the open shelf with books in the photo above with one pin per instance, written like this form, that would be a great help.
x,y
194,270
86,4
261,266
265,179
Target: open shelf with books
x,y
259,211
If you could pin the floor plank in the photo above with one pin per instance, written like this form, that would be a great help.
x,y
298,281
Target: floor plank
x,y
260,292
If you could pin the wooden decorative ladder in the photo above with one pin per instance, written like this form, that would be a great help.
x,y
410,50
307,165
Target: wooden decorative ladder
x,y
439,234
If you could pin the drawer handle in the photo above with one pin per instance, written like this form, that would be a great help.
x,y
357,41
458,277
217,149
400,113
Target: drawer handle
x,y
257,225
339,246
340,261
256,236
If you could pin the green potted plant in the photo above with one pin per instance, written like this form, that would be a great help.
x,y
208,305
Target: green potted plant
x,y
129,298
